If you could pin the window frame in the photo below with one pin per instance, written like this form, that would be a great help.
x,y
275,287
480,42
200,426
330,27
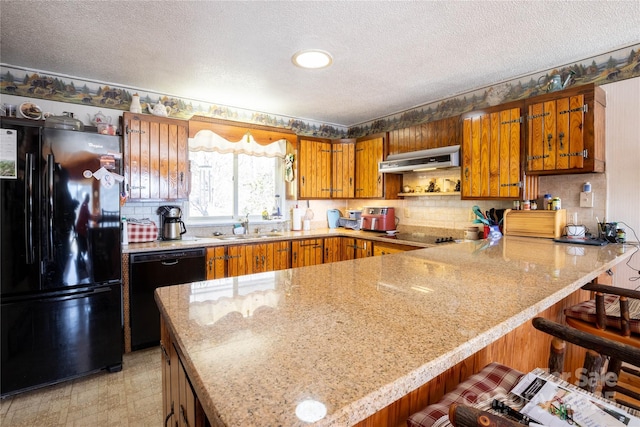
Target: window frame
x,y
236,215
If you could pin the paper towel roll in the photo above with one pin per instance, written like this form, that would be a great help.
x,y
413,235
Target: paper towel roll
x,y
296,223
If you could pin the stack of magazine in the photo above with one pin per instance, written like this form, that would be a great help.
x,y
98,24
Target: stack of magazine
x,y
551,402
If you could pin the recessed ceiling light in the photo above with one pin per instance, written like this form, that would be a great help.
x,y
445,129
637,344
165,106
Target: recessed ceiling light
x,y
312,58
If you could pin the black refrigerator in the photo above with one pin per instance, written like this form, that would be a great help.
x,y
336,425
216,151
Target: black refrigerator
x,y
61,276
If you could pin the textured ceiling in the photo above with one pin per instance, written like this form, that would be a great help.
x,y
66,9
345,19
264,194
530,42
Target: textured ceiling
x,y
388,56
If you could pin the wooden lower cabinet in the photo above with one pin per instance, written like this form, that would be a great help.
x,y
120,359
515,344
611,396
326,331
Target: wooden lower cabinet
x,y
390,248
257,258
180,404
306,252
353,248
332,249
216,262
238,260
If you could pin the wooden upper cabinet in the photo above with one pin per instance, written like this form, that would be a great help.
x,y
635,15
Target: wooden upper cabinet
x,y
325,169
314,168
491,143
566,131
156,157
438,133
343,162
369,152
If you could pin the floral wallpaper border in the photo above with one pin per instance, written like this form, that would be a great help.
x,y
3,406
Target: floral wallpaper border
x,y
617,65
21,81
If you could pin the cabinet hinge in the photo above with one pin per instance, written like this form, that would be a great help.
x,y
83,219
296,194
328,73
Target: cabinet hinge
x,y
517,120
535,116
584,153
584,109
515,184
129,130
544,156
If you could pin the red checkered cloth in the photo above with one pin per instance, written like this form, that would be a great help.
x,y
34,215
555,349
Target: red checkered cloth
x,y
141,231
587,311
493,381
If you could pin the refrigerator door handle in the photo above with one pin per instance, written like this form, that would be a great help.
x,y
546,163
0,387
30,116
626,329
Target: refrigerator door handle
x,y
50,189
28,212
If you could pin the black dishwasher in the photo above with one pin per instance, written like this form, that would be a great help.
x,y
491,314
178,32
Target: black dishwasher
x,y
151,270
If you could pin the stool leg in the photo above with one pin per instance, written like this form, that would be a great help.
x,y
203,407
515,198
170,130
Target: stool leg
x,y
557,351
593,367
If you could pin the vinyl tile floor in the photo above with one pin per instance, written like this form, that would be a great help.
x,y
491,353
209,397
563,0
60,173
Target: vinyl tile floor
x,y
131,397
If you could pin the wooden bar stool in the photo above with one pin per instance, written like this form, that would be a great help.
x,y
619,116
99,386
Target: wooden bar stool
x,y
467,404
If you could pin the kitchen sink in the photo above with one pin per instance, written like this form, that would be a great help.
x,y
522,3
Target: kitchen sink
x,y
248,236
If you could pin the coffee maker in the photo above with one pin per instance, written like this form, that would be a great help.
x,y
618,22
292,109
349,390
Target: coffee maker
x,y
171,225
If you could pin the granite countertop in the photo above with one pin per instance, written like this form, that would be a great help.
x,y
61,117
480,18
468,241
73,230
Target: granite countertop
x,y
354,336
196,242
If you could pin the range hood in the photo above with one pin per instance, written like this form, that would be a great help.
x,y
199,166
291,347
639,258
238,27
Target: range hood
x,y
434,158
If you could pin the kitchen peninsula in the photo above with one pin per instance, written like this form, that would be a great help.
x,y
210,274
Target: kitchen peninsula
x,y
335,344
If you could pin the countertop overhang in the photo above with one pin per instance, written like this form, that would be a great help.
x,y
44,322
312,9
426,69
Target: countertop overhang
x,y
357,335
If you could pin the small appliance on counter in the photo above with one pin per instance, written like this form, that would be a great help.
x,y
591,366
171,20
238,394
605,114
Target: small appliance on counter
x,y
333,217
171,225
378,219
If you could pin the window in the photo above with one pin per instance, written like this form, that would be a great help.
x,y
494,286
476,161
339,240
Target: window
x,y
227,185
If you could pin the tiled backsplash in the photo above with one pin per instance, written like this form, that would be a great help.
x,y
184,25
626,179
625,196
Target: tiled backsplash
x,y
568,188
429,210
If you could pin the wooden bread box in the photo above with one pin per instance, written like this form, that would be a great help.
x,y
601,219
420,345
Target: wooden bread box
x,y
536,223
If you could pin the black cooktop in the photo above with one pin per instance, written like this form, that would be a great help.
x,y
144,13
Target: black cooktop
x,y
421,238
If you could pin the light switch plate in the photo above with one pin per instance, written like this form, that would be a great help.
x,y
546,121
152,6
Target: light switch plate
x,y
586,199
407,213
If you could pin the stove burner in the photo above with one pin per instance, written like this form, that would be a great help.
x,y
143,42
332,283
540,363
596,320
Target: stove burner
x,y
444,239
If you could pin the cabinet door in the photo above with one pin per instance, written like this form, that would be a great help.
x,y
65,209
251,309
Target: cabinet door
x,y
332,249
281,255
187,406
238,262
306,252
314,169
566,131
369,152
342,166
169,377
353,248
156,163
555,138
491,155
262,257
216,262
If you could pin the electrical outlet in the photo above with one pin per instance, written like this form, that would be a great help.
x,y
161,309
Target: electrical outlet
x,y
586,199
407,213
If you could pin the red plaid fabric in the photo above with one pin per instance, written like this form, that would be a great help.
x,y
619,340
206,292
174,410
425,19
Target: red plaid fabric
x,y
142,231
493,380
587,311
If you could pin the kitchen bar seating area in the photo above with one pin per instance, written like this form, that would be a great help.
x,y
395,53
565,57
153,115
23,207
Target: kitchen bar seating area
x,y
193,237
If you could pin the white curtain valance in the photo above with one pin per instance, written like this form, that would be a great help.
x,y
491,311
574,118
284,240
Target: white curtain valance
x,y
206,140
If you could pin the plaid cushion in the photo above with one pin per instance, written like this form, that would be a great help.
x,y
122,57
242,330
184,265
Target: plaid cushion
x,y
492,381
586,311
